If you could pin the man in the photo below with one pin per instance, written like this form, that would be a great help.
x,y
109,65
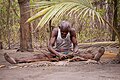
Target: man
x,y
64,37
64,40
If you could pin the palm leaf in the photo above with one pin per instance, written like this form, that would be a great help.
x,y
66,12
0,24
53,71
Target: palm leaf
x,y
93,15
44,3
87,11
99,18
57,9
50,14
39,14
82,12
65,9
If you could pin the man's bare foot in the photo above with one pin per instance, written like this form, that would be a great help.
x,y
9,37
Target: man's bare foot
x,y
54,60
9,59
99,54
89,61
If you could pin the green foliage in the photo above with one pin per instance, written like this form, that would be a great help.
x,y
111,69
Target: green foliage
x,y
84,17
11,33
85,13
56,9
95,34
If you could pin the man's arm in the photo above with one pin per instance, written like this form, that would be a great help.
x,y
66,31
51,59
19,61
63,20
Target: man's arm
x,y
52,41
74,40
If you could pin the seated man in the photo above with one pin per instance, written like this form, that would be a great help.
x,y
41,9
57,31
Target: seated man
x,y
64,40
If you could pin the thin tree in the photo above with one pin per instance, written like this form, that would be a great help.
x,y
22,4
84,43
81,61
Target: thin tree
x,y
115,21
7,24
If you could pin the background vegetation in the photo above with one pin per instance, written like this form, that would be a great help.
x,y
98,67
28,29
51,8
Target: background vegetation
x,y
87,29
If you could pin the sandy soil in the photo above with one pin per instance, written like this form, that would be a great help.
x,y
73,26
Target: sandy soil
x,y
56,71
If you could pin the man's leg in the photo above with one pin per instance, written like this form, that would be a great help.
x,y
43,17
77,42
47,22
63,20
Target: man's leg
x,y
99,54
9,59
88,56
34,58
76,57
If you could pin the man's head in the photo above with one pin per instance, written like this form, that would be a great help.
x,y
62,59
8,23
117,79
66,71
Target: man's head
x,y
64,28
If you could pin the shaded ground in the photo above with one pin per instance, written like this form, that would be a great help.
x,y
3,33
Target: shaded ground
x,y
52,71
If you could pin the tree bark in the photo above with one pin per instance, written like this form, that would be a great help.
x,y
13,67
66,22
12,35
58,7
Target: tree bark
x,y
50,27
115,21
8,24
25,28
1,45
115,24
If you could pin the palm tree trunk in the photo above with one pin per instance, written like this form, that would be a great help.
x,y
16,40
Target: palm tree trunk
x,y
25,28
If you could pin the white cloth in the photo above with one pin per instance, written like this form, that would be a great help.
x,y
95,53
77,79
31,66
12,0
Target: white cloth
x,y
63,45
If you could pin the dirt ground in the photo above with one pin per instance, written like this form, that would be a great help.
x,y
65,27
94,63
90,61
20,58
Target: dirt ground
x,y
58,70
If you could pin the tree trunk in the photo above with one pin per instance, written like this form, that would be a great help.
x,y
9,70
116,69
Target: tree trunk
x,y
118,55
109,18
25,28
115,24
115,21
8,24
50,27
1,45
113,36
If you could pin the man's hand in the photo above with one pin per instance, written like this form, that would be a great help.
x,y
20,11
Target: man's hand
x,y
62,56
71,55
76,50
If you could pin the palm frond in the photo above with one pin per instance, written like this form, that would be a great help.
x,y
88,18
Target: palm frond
x,y
65,9
39,14
56,8
44,3
99,18
50,14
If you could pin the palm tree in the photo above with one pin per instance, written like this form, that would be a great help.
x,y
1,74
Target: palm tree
x,y
25,29
56,8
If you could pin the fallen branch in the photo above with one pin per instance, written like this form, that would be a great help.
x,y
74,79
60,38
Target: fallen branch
x,y
98,44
